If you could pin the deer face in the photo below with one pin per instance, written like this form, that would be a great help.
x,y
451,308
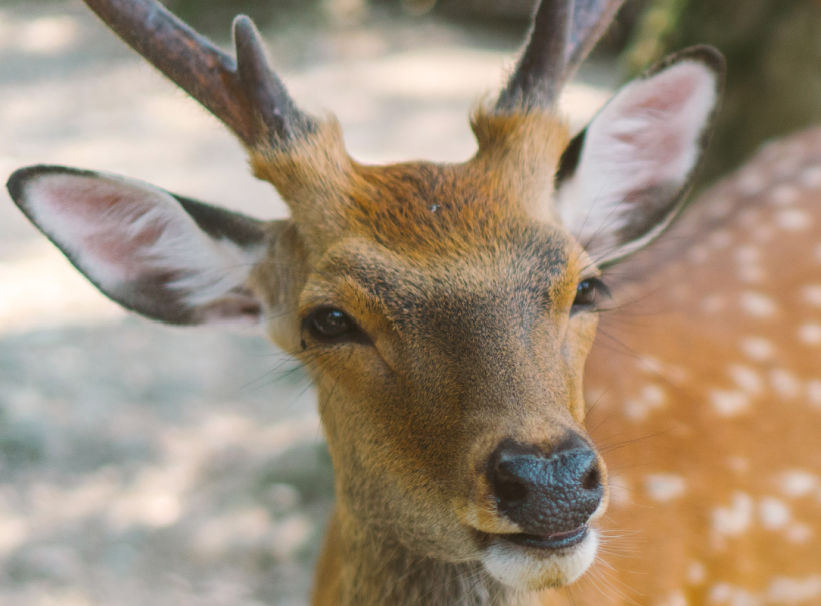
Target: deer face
x,y
447,363
444,311
447,316
446,331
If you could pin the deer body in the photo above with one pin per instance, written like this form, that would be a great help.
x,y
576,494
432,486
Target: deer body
x,y
704,387
445,312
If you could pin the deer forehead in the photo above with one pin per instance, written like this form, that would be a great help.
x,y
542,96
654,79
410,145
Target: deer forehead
x,y
517,266
419,204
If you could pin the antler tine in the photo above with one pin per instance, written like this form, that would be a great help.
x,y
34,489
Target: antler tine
x,y
245,94
590,20
562,34
535,82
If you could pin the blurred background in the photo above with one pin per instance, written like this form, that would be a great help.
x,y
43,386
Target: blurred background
x,y
144,464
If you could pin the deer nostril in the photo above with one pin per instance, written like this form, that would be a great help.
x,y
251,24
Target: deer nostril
x,y
510,491
592,479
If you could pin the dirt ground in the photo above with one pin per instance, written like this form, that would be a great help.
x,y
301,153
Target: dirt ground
x,y
141,464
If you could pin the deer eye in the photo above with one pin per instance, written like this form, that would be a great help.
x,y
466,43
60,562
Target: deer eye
x,y
589,294
331,325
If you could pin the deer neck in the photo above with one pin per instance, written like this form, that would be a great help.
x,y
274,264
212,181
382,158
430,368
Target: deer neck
x,y
358,567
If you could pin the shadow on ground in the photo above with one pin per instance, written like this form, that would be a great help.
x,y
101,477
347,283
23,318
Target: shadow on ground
x,y
146,466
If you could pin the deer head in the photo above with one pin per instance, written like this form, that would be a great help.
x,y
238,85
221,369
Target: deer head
x,y
445,311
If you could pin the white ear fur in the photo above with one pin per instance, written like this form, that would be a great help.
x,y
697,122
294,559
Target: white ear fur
x,y
141,247
638,155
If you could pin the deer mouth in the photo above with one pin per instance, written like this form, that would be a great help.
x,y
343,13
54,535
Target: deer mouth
x,y
535,562
551,542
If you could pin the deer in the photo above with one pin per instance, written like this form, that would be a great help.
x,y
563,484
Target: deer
x,y
494,441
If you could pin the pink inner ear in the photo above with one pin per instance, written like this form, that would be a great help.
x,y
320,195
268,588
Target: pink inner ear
x,y
109,228
671,94
657,147
655,124
663,103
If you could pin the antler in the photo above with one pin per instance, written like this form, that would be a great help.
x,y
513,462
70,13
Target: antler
x,y
244,93
562,34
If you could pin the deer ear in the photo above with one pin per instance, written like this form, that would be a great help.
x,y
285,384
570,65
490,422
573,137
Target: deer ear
x,y
623,179
166,257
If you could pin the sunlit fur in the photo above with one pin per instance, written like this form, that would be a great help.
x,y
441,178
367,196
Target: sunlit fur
x,y
463,280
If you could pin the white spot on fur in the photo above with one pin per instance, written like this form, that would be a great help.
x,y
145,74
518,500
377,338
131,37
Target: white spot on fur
x,y
751,274
811,177
650,365
810,333
814,392
734,519
746,378
654,395
651,397
798,533
751,182
675,598
747,254
812,294
784,194
757,304
784,383
793,219
620,495
748,259
738,464
720,238
712,304
696,573
663,487
725,594
757,348
797,483
785,590
728,403
773,513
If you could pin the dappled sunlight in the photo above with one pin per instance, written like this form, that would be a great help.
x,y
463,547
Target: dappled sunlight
x,y
45,35
149,460
581,101
41,289
427,75
14,526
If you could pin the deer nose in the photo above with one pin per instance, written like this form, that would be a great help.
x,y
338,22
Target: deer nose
x,y
546,494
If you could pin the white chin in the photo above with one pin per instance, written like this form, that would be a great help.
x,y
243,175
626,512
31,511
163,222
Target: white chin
x,y
534,569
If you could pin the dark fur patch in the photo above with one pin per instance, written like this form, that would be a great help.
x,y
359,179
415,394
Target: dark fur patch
x,y
569,161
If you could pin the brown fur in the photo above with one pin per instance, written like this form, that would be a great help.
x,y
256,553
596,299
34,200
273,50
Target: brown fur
x,y
463,287
331,196
463,280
